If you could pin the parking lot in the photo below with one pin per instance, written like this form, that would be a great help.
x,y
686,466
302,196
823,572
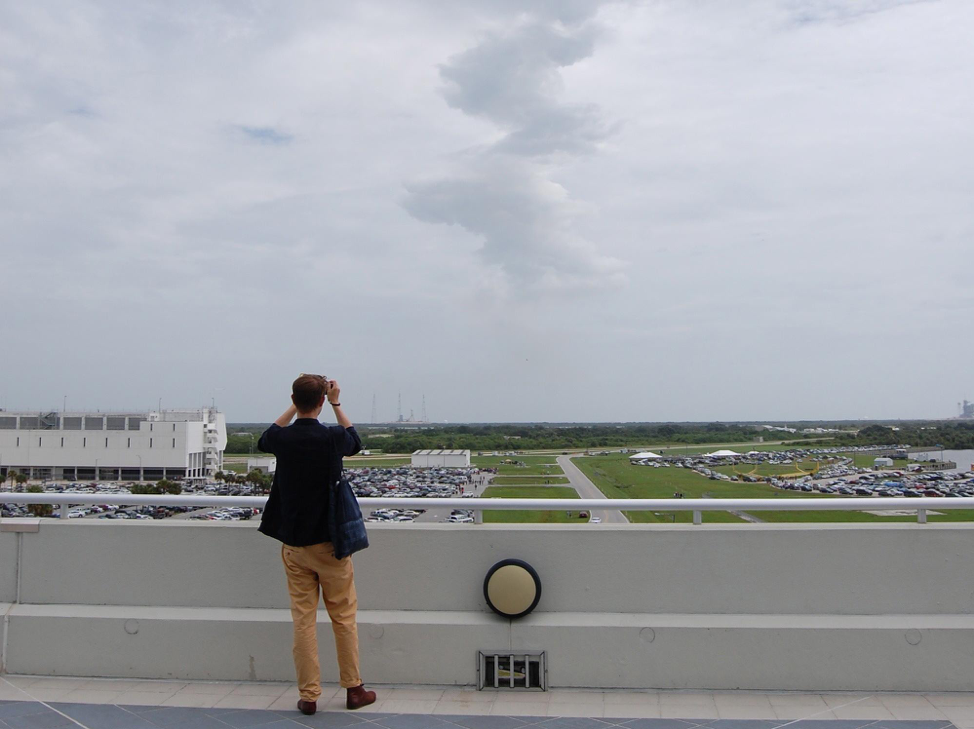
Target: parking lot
x,y
414,483
366,482
836,473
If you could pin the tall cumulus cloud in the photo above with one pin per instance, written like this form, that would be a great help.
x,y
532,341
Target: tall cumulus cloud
x,y
503,192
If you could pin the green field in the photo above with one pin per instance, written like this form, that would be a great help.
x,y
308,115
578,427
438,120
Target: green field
x,y
771,469
494,461
549,470
865,460
239,464
369,462
533,517
858,516
678,450
524,480
617,479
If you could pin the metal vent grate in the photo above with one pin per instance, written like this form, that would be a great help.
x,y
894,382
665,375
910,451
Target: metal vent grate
x,y
523,670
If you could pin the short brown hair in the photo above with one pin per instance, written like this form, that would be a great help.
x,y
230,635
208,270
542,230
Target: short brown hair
x,y
307,391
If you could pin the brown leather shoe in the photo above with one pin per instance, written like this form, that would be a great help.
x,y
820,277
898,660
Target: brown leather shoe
x,y
307,707
358,697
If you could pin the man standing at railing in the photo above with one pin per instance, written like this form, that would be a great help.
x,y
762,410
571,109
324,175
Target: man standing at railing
x,y
309,461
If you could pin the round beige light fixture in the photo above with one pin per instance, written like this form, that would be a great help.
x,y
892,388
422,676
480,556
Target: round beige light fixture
x,y
512,588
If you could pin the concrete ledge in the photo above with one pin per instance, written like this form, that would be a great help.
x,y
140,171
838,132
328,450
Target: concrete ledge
x,y
20,525
407,647
585,650
4,610
764,607
758,652
748,569
8,566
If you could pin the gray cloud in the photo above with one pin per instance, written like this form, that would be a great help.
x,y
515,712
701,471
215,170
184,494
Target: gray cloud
x,y
267,135
524,220
503,192
818,11
791,200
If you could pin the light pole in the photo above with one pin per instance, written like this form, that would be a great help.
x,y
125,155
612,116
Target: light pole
x,y
251,436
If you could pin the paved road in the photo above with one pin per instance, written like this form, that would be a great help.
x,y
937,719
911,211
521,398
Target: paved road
x,y
739,514
588,490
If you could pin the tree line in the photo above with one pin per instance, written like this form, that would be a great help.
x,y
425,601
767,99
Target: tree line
x,y
535,437
952,435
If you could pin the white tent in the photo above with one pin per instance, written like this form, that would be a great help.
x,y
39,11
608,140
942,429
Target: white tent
x,y
722,454
644,456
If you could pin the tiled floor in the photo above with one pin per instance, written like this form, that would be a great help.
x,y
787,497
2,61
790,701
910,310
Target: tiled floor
x,y
114,704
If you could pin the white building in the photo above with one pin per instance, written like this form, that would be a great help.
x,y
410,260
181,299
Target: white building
x,y
441,459
84,446
723,454
265,464
882,462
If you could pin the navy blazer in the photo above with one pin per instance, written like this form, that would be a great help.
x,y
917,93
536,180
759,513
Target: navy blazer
x,y
309,464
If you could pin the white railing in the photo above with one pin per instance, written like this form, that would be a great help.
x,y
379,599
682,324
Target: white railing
x,y
919,505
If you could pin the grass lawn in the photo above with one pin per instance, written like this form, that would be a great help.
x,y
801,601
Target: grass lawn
x,y
235,466
549,470
533,517
370,462
536,480
858,516
679,449
865,460
493,461
617,479
771,469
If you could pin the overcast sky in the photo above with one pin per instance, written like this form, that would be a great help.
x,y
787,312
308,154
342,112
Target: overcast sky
x,y
667,210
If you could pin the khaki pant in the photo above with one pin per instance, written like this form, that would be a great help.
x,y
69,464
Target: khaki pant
x,y
308,570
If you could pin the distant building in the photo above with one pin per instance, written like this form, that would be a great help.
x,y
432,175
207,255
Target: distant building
x,y
264,465
131,446
441,459
933,465
723,454
966,410
883,462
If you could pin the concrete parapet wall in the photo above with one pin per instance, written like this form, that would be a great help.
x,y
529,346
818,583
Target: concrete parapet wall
x,y
241,644
8,566
809,607
738,569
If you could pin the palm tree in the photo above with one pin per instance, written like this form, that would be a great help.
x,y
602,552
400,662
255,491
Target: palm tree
x,y
39,509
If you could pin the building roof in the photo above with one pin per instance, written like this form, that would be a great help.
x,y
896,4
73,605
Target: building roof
x,y
644,455
722,454
441,452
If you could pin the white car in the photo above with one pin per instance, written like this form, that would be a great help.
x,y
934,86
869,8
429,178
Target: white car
x,y
596,520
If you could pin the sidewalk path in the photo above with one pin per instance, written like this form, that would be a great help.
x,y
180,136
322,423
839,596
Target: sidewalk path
x,y
588,490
